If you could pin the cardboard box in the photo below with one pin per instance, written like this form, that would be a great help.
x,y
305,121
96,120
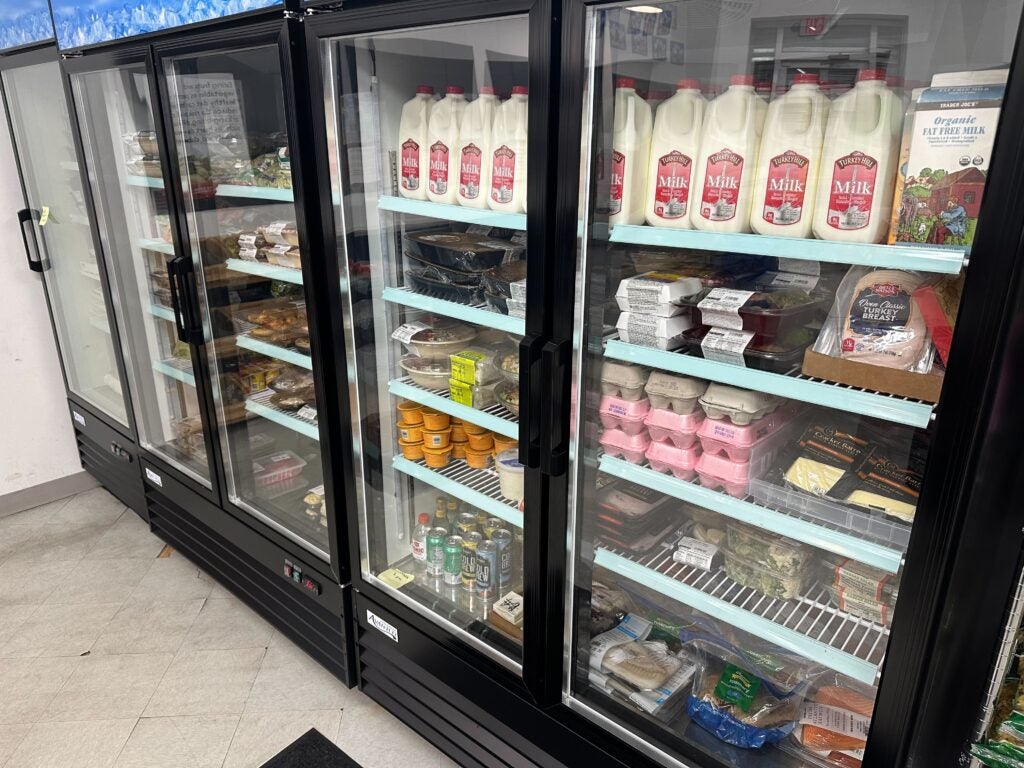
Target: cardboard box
x,y
920,386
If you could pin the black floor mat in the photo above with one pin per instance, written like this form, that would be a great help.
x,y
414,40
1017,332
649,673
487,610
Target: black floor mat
x,y
311,750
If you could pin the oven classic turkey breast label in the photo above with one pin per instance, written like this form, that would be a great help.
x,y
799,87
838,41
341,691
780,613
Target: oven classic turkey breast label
x,y
878,309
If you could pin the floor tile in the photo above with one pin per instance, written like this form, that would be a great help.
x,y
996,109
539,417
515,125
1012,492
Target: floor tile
x,y
290,680
12,617
60,630
16,588
225,624
261,736
152,626
93,744
173,578
34,517
10,737
109,687
199,741
392,742
94,507
29,685
14,538
128,537
52,543
206,683
100,581
447,762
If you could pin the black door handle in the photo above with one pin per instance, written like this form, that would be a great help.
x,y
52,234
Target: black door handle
x,y
554,438
530,429
179,270
26,216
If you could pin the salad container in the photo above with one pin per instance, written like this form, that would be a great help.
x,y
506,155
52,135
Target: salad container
x,y
741,406
665,457
627,415
623,380
767,550
681,429
629,447
779,356
784,586
679,393
439,343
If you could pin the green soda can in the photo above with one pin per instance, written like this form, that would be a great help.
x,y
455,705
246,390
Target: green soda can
x,y
453,560
435,551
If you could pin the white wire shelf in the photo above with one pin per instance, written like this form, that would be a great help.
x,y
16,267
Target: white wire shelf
x,y
478,487
260,405
496,418
478,314
176,369
293,356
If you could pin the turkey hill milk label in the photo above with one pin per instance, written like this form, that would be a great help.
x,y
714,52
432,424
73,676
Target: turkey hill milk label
x,y
469,172
878,310
438,178
672,185
503,174
852,191
618,179
721,186
410,164
787,182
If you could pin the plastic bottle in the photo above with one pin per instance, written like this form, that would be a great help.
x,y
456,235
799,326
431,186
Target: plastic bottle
x,y
724,176
413,155
858,164
789,159
474,144
419,538
631,151
674,147
442,140
508,154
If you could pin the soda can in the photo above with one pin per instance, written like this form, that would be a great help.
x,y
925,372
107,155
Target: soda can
x,y
465,523
435,551
470,542
491,524
503,539
487,570
453,560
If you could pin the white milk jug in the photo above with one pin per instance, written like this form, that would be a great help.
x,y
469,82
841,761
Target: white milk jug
x,y
858,164
631,150
442,140
508,154
413,155
674,148
724,176
789,159
473,149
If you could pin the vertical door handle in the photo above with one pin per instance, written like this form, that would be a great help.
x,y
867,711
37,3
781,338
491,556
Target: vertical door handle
x,y
178,274
554,438
26,220
530,428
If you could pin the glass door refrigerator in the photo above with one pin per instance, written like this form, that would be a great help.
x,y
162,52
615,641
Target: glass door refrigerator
x,y
777,212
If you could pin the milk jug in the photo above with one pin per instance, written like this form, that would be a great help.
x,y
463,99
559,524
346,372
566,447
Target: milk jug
x,y
442,140
724,174
631,151
789,159
858,164
674,147
413,155
508,154
473,149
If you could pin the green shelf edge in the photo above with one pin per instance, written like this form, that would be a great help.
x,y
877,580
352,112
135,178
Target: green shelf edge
x,y
458,410
492,506
475,315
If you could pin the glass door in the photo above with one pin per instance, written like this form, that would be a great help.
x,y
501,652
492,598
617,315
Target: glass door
x,y
58,222
427,148
780,210
231,135
126,174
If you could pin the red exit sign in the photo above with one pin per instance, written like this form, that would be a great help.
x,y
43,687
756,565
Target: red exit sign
x,y
812,25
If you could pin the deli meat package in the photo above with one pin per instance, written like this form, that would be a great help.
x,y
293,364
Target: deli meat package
x,y
834,722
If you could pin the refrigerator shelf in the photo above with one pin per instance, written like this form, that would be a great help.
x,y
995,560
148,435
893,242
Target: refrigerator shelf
x,y
176,369
946,260
260,405
273,350
809,625
144,181
495,418
152,244
164,313
284,274
841,397
255,193
452,212
478,487
478,314
783,522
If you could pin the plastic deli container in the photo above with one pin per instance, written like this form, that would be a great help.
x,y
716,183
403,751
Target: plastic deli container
x,y
498,280
276,468
427,372
880,612
433,282
785,586
721,437
780,356
623,380
859,580
681,462
438,343
741,406
627,415
510,474
681,429
679,393
770,315
618,444
767,550
464,251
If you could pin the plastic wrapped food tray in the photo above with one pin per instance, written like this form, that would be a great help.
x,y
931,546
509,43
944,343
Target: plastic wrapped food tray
x,y
432,283
768,323
780,357
453,276
464,251
277,468
497,302
499,279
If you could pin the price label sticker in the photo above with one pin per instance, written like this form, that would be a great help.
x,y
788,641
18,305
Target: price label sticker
x,y
404,333
307,412
395,578
721,308
44,216
792,280
724,345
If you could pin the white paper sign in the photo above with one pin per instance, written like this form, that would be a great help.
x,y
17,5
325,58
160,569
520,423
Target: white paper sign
x,y
210,107
695,552
721,308
307,412
725,346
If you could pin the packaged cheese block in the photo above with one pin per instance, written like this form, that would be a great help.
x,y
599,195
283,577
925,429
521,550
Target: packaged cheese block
x,y
888,486
882,323
826,454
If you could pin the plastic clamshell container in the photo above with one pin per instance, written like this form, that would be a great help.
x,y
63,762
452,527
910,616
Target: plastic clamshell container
x,y
630,447
767,550
777,357
623,380
439,343
771,323
787,586
277,468
510,474
879,612
463,251
664,333
427,372
627,415
742,406
657,293
681,429
474,365
680,393
738,442
681,462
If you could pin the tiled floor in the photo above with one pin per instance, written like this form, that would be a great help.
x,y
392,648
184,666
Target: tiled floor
x,y
111,657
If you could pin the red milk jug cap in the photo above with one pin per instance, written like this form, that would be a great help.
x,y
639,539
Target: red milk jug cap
x,y
871,74
625,82
688,84
741,80
520,89
454,89
425,89
805,78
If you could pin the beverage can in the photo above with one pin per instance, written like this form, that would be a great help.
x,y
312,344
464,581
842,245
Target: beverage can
x,y
487,570
435,551
465,523
492,524
503,541
470,544
453,560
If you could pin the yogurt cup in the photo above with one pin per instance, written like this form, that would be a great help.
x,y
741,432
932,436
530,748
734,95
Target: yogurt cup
x,y
437,457
436,438
410,413
412,434
412,450
511,474
483,442
435,420
458,449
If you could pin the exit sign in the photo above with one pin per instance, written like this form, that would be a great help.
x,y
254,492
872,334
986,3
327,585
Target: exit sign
x,y
812,25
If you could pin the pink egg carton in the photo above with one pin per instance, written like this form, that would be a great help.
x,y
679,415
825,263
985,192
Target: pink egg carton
x,y
681,429
618,444
681,462
715,472
627,415
720,437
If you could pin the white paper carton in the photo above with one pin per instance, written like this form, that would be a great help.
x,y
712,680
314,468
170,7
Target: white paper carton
x,y
656,293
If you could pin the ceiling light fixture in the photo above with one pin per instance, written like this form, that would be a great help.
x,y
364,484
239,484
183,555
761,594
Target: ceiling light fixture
x,y
645,9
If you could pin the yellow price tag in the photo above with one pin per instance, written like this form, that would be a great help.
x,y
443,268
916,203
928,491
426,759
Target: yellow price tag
x,y
395,578
44,216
